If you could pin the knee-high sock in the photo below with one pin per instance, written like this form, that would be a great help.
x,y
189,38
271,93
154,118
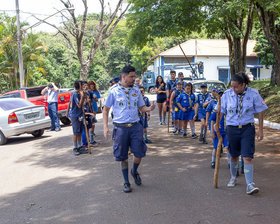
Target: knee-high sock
x,y
192,129
91,135
145,135
249,171
233,169
160,118
124,165
204,132
135,167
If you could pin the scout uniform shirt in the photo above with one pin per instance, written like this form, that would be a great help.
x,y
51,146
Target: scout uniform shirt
x,y
202,99
125,103
187,101
240,109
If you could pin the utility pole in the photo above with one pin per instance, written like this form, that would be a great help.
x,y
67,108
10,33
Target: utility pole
x,y
20,59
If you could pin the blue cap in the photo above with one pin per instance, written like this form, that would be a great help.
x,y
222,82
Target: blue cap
x,y
203,85
217,89
179,82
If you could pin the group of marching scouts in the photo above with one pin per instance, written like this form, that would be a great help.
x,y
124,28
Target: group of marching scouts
x,y
186,107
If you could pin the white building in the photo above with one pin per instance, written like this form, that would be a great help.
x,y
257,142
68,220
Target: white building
x,y
214,53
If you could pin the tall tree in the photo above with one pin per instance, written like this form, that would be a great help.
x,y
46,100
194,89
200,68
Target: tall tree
x,y
269,16
75,30
233,18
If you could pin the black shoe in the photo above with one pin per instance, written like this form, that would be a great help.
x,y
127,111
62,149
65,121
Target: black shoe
x,y
194,136
204,141
126,188
83,150
200,138
242,169
137,178
213,165
76,151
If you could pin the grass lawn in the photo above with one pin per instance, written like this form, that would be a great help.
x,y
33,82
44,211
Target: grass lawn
x,y
271,96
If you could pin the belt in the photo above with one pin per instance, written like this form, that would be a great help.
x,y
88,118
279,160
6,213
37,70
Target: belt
x,y
128,125
241,126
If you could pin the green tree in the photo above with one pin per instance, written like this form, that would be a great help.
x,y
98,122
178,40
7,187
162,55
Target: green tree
x,y
268,13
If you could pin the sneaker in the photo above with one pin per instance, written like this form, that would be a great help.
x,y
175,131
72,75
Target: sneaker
x,y
175,130
204,141
200,138
251,189
58,129
137,178
164,123
83,150
160,123
232,182
213,165
185,135
94,142
194,136
148,141
76,151
127,188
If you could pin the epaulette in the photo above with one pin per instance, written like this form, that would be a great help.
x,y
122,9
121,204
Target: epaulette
x,y
228,90
252,90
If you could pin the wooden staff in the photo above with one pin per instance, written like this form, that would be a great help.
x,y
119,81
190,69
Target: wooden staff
x,y
219,147
85,123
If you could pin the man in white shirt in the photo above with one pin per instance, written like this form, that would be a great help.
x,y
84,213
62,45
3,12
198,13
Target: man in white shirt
x,y
52,92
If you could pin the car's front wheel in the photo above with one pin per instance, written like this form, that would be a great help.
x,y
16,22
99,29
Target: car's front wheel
x,y
38,133
3,139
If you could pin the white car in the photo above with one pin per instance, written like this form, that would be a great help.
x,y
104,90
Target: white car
x,y
19,116
197,83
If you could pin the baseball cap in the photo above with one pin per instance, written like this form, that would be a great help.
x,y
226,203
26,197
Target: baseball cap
x,y
50,85
203,85
180,73
179,82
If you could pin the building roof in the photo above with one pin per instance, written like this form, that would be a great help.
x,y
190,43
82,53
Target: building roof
x,y
205,47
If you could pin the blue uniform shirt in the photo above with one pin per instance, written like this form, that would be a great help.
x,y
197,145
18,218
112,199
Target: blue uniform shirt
x,y
75,99
177,93
252,104
210,108
185,102
125,111
147,104
202,99
213,117
171,84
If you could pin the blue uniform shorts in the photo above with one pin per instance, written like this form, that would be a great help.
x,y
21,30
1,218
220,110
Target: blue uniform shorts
x,y
77,125
186,116
241,141
125,137
201,115
144,122
176,115
94,107
216,140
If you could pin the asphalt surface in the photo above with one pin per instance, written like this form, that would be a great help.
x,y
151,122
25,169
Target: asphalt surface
x,y
43,182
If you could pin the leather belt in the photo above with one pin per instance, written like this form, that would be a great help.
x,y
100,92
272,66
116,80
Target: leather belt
x,y
128,125
241,126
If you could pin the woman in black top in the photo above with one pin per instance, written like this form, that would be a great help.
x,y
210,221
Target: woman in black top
x,y
160,89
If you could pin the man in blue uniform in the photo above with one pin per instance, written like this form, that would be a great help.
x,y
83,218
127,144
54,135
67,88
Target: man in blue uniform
x,y
126,99
170,86
175,108
200,112
240,103
181,78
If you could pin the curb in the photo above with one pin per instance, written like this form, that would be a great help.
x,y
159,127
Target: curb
x,y
269,124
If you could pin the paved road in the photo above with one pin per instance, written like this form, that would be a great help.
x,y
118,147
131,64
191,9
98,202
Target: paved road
x,y
42,182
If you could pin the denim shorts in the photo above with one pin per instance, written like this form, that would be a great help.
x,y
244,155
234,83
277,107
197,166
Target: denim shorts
x,y
125,137
77,125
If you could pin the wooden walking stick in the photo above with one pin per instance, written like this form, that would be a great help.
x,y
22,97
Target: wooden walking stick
x,y
219,147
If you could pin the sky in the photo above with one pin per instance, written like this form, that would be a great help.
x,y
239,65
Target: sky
x,y
44,8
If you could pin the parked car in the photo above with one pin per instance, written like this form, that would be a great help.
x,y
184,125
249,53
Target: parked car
x,y
210,83
33,95
19,116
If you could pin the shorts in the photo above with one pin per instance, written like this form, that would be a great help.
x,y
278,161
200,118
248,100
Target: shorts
x,y
94,107
125,137
144,122
216,140
77,125
161,100
201,115
186,116
176,115
241,141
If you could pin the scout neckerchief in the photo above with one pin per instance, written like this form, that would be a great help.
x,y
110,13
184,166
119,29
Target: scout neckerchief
x,y
190,99
204,96
126,90
240,106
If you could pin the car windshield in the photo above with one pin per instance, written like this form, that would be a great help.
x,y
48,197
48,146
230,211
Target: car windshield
x,y
14,104
196,86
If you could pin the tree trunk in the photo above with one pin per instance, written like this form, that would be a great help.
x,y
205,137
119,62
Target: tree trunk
x,y
15,73
84,71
